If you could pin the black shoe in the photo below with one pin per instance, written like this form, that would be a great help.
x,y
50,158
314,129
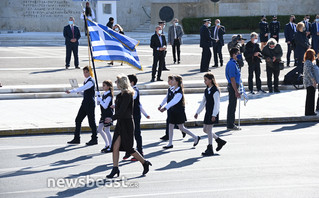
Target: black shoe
x,y
234,128
67,67
220,144
159,79
114,171
153,80
111,63
215,66
178,62
165,137
74,141
126,156
270,91
174,62
165,69
91,142
168,147
311,114
184,134
105,149
146,167
195,143
77,67
221,64
252,92
277,91
209,151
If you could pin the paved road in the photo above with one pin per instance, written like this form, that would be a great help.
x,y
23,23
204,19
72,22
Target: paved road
x,y
45,65
278,161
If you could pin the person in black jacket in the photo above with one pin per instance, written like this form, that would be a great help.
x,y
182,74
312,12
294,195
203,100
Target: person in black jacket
x,y
110,23
87,108
302,44
274,28
307,26
217,32
272,52
290,30
253,57
205,44
124,129
158,44
72,35
264,29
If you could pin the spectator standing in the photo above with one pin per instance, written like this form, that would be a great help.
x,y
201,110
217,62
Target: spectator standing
x,y
175,33
309,82
307,26
233,77
163,24
158,44
272,52
217,33
72,35
315,34
264,30
253,57
274,28
238,42
110,23
89,13
302,44
290,30
205,43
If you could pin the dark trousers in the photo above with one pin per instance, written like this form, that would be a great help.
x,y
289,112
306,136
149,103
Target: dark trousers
x,y
158,58
206,56
232,104
217,47
299,59
83,112
69,49
315,43
317,108
137,134
310,101
270,72
277,38
254,67
176,47
289,53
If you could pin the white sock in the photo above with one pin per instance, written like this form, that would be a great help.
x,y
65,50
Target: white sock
x,y
101,132
185,130
170,134
108,134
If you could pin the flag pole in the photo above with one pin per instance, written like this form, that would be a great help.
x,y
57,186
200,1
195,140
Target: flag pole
x,y
90,48
239,113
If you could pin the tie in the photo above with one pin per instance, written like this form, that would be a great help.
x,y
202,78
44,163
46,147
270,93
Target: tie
x,y
317,27
72,31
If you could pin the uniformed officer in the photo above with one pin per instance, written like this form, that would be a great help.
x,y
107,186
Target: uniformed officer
x,y
274,28
264,30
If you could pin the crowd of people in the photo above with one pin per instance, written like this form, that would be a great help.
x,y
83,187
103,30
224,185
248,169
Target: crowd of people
x,y
127,108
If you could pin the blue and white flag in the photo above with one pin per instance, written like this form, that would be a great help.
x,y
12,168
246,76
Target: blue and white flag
x,y
243,92
108,45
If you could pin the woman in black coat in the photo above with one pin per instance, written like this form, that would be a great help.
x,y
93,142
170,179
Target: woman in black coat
x,y
124,129
302,44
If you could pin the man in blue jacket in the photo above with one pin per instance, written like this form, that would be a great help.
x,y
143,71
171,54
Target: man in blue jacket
x,y
205,43
72,35
315,34
290,30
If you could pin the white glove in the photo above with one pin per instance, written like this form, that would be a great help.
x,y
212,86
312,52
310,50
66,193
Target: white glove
x,y
98,93
99,99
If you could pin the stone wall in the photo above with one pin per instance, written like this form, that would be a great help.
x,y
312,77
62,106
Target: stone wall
x,y
39,15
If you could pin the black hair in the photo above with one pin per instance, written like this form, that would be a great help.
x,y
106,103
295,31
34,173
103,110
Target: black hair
x,y
211,77
132,78
111,19
233,51
86,68
109,84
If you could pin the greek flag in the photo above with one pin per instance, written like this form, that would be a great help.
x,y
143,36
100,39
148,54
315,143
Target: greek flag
x,y
243,92
108,45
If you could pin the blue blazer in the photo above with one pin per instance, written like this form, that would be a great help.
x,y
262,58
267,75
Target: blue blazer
x,y
314,30
205,37
67,33
289,32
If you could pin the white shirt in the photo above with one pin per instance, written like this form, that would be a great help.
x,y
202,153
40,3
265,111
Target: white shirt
x,y
175,35
165,99
177,97
87,86
216,103
216,33
293,26
141,107
89,17
105,103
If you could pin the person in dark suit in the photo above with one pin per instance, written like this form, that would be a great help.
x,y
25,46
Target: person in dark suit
x,y
162,24
264,29
302,44
175,33
158,44
307,26
290,30
72,35
217,33
315,34
274,28
205,43
110,23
